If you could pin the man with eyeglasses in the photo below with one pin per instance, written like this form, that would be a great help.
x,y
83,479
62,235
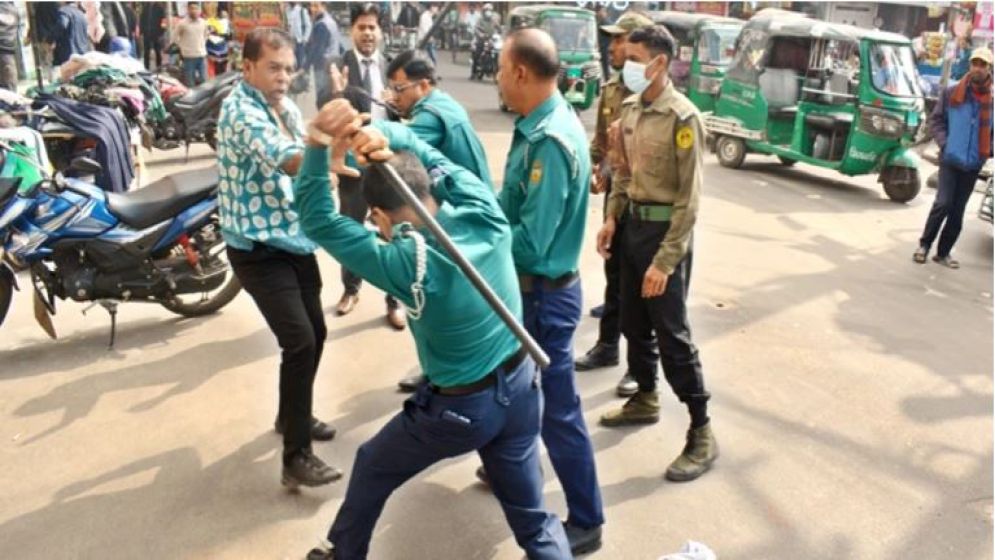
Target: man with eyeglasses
x,y
438,120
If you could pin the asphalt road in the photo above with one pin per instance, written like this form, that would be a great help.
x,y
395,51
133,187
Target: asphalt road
x,y
852,401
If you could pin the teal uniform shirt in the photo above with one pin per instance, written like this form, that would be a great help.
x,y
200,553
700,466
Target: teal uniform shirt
x,y
459,338
545,189
441,122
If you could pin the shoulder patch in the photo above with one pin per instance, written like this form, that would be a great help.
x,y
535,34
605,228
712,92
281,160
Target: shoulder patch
x,y
684,137
536,174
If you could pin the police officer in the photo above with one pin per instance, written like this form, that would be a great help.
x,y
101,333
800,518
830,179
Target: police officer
x,y
546,178
436,119
605,351
658,183
483,393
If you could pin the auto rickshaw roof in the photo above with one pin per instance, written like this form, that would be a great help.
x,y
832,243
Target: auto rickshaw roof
x,y
688,20
793,24
535,9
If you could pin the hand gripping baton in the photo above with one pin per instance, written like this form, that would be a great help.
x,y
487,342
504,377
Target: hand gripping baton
x,y
464,265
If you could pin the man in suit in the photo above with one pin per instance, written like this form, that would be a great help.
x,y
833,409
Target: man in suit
x,y
365,70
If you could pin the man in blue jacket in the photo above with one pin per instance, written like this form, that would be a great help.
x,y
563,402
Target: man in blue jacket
x,y
962,127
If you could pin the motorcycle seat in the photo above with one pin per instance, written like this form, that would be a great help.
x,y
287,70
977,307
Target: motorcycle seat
x,y
163,199
204,91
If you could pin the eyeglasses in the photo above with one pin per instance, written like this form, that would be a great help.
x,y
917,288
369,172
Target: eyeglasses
x,y
398,88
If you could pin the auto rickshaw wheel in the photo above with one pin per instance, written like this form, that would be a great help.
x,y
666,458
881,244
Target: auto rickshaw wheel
x,y
787,162
901,184
730,151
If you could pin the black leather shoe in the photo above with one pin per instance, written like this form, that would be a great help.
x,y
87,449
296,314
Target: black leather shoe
x,y
582,541
323,552
305,469
482,476
320,431
411,383
598,311
602,355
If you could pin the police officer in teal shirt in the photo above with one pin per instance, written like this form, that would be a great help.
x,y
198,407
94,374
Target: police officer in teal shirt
x,y
545,199
439,121
483,394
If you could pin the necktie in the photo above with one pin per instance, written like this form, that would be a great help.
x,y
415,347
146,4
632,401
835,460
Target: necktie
x,y
367,82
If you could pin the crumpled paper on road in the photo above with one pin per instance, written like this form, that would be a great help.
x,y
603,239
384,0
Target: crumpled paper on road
x,y
692,550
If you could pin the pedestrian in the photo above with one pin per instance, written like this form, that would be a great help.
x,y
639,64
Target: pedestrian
x,y
10,42
323,46
260,149
152,23
425,23
605,351
547,176
483,394
961,124
438,120
191,36
46,19
662,141
299,21
72,37
364,68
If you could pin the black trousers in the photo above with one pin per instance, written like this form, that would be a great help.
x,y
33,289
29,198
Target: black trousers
x,y
287,289
952,195
609,328
353,204
664,315
150,45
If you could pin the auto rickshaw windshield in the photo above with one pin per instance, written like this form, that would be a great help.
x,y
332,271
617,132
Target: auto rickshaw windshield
x,y
572,34
893,70
718,45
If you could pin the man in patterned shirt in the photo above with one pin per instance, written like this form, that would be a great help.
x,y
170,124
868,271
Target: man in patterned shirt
x,y
260,150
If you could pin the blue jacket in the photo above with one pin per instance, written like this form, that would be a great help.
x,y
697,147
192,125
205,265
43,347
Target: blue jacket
x,y
955,129
323,45
72,38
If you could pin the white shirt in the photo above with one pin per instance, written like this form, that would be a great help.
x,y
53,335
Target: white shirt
x,y
376,82
424,24
471,20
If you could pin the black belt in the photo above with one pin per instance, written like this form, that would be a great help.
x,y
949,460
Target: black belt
x,y
486,381
528,283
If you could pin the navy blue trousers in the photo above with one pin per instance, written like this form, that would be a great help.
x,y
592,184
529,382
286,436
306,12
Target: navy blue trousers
x,y
501,423
551,317
952,195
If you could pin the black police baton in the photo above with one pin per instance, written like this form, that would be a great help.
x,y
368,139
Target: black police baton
x,y
402,188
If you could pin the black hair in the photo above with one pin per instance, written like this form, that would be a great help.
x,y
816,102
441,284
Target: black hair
x,y
416,66
272,37
535,49
656,39
378,192
367,9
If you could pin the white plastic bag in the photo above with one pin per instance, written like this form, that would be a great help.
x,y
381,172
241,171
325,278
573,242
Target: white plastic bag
x,y
692,550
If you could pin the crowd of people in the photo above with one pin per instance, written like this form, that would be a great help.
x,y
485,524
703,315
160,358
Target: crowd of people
x,y
479,390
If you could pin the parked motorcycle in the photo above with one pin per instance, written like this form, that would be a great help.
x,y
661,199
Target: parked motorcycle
x,y
193,116
159,244
485,63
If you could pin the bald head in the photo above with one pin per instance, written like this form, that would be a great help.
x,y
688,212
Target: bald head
x,y
535,50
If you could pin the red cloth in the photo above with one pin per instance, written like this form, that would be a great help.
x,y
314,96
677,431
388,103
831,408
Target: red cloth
x,y
983,93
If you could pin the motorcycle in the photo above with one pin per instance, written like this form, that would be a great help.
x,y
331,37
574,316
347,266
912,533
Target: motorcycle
x,y
192,116
485,63
217,52
159,244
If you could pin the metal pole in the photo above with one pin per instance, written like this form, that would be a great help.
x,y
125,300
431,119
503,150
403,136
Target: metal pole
x,y
471,273
35,50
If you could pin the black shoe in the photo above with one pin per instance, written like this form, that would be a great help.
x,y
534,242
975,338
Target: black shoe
x,y
598,312
323,552
582,541
482,476
306,469
320,431
411,383
602,355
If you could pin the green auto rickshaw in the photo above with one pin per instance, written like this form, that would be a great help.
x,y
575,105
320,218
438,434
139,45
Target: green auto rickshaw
x,y
705,47
826,94
575,32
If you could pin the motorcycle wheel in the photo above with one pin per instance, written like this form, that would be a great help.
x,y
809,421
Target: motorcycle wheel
x,y
212,141
6,292
206,303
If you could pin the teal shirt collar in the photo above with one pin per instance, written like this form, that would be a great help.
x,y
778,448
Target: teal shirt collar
x,y
428,98
533,125
260,99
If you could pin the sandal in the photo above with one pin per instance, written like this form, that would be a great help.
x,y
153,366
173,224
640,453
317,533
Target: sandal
x,y
946,261
920,255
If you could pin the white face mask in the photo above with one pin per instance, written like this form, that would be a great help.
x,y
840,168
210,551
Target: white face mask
x,y
634,76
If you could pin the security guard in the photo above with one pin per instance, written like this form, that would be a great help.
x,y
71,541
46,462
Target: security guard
x,y
434,116
658,183
483,393
605,351
546,179
438,120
